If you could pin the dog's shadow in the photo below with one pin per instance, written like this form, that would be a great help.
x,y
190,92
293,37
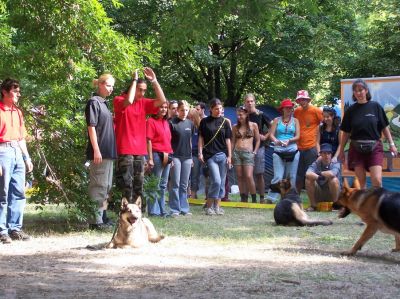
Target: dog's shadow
x,y
95,247
386,257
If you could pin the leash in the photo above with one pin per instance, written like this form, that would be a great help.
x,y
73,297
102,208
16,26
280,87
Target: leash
x,y
115,229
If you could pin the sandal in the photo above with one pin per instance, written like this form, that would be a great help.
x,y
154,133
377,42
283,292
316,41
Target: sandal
x,y
311,209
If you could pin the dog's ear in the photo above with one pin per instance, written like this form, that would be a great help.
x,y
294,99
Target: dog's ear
x,y
138,202
124,203
356,184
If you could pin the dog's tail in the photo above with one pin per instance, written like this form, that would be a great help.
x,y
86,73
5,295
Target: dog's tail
x,y
309,222
303,219
156,239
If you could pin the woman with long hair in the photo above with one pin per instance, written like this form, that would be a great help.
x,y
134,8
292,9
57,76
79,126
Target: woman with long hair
x,y
244,133
363,123
159,149
329,131
182,130
215,150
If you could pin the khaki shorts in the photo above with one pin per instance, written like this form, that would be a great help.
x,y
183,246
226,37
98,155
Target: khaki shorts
x,y
241,157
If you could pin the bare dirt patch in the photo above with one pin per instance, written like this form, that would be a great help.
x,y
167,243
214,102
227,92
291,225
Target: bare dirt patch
x,y
289,263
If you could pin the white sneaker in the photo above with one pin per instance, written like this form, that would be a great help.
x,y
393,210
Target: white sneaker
x,y
219,211
210,211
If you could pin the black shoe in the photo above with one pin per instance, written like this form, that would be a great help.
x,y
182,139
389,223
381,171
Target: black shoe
x,y
109,222
5,239
19,235
99,227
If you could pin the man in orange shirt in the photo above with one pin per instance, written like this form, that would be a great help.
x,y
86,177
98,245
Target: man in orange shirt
x,y
14,159
309,118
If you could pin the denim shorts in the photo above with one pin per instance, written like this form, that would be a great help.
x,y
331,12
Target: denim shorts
x,y
243,157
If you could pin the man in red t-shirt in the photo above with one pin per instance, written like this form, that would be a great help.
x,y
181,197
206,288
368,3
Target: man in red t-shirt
x,y
130,110
14,161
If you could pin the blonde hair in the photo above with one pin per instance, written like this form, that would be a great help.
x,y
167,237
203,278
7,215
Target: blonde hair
x,y
183,103
103,78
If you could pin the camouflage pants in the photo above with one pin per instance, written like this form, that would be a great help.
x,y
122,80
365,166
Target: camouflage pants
x,y
129,177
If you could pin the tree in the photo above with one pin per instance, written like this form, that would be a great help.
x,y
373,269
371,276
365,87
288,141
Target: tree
x,y
227,48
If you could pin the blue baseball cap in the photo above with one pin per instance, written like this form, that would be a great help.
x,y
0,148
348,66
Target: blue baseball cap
x,y
325,148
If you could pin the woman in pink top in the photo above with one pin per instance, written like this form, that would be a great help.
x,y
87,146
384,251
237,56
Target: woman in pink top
x,y
159,147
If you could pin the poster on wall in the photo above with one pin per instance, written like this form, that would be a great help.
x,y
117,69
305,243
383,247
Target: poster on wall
x,y
386,91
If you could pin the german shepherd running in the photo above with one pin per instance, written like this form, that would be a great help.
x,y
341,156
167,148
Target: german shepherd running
x,y
377,207
133,229
289,210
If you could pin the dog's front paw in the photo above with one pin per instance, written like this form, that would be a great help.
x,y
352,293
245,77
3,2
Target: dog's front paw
x,y
396,250
348,252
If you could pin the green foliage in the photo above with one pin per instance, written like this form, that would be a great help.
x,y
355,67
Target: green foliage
x,y
151,191
228,48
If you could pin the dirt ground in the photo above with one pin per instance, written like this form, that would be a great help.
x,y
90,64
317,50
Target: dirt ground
x,y
181,267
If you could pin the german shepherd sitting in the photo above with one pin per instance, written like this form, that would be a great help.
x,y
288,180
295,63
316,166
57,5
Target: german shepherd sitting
x,y
377,207
289,210
133,229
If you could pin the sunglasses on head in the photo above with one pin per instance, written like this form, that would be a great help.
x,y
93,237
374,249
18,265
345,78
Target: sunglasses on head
x,y
243,108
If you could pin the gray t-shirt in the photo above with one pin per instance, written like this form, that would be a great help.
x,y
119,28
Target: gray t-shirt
x,y
317,167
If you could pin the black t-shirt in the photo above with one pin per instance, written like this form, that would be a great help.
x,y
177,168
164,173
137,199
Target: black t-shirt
x,y
262,121
99,116
207,129
329,137
181,141
364,121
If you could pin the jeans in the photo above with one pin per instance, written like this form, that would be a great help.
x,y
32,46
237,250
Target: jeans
x,y
281,168
180,173
217,168
12,189
195,175
157,207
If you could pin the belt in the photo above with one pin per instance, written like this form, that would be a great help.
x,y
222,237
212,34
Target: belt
x,y
13,143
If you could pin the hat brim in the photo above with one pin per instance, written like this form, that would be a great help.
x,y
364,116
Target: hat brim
x,y
280,108
302,98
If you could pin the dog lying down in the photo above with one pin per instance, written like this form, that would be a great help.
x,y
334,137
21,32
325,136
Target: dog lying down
x,y
289,210
377,207
133,229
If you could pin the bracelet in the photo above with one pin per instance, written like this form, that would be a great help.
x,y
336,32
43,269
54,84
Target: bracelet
x,y
392,144
26,158
154,80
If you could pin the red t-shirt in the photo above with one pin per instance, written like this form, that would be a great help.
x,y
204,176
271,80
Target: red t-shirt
x,y
12,125
130,125
159,132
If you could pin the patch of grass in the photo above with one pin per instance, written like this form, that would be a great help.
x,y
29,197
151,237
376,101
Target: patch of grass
x,y
237,225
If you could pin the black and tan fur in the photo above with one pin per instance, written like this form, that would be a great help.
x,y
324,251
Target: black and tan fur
x,y
378,208
133,229
289,210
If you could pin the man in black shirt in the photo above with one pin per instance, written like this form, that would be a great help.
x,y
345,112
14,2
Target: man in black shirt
x,y
264,124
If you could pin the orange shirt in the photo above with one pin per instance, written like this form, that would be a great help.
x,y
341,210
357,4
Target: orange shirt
x,y
309,120
12,125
